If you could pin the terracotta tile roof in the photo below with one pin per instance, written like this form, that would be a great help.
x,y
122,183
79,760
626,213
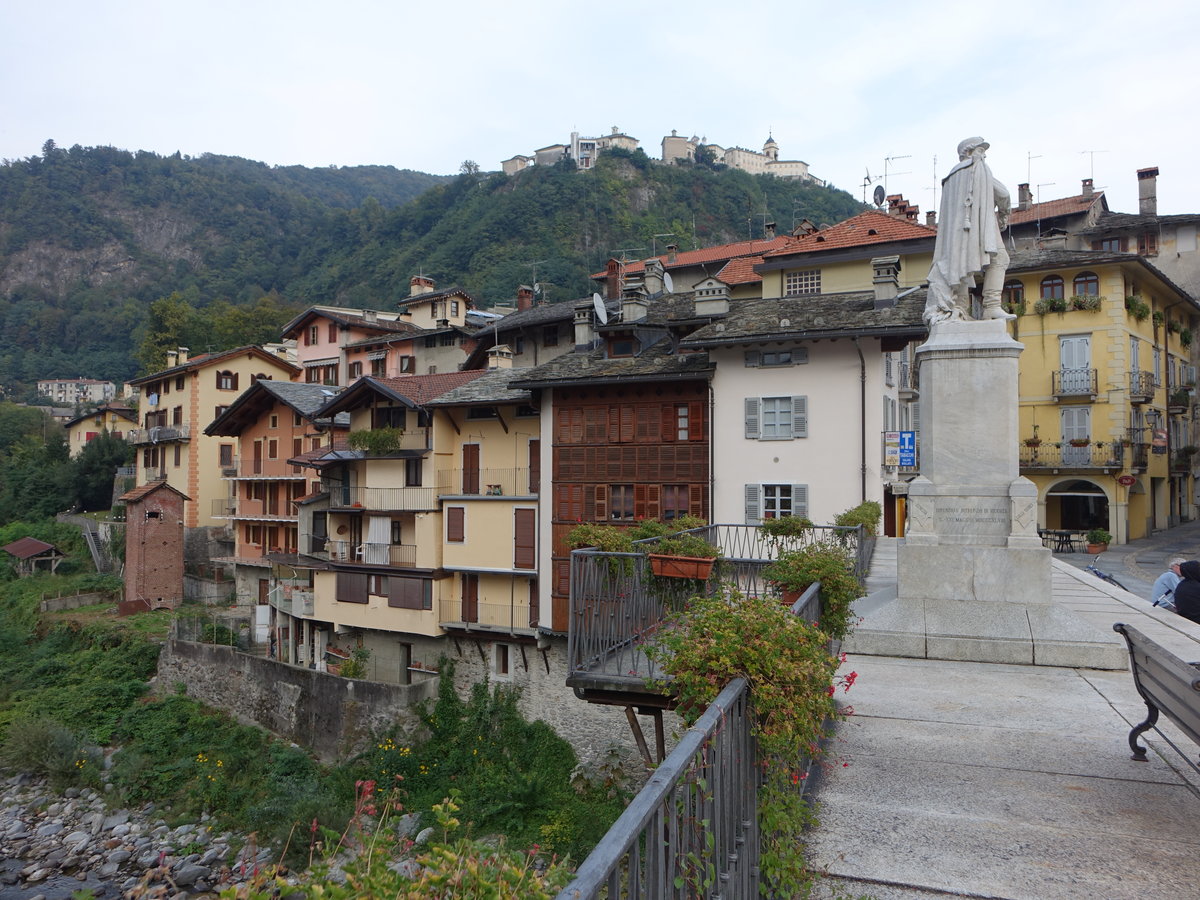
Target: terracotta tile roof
x,y
422,388
866,228
741,271
206,359
705,255
27,547
1051,209
148,488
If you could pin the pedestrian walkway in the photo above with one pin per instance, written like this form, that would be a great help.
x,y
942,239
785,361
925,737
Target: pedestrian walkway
x,y
961,779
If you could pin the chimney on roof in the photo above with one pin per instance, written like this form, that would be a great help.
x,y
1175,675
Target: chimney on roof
x,y
524,297
770,229
420,284
672,252
172,358
500,357
1148,191
712,298
585,334
886,280
612,279
931,218
183,354
1089,188
1024,196
370,315
653,277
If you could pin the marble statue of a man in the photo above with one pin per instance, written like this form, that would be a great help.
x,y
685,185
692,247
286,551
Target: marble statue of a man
x,y
973,212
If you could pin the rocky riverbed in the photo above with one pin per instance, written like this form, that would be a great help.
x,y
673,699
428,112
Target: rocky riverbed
x,y
53,844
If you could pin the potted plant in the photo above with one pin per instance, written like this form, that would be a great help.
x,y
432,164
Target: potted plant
x,y
682,556
1034,441
1097,540
1179,399
1079,442
825,562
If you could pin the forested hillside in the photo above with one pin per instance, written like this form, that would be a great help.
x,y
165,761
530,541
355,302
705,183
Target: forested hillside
x,y
91,237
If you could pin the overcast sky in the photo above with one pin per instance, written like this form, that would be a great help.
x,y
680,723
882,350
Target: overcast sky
x,y
1063,91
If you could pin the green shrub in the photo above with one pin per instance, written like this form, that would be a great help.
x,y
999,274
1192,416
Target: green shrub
x,y
867,514
376,441
828,563
44,747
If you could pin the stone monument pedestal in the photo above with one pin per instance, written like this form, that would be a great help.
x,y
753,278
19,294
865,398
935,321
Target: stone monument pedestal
x,y
972,571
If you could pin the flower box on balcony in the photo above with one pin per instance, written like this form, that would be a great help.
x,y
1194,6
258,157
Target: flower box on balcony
x,y
697,567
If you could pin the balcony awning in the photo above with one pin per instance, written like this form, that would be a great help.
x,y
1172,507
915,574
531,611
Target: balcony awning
x,y
377,354
314,363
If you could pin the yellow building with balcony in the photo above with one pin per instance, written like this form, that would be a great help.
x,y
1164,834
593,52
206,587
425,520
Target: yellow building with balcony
x,y
425,528
1106,390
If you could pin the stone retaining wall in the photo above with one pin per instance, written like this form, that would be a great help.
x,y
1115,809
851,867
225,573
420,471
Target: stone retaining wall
x,y
75,601
331,716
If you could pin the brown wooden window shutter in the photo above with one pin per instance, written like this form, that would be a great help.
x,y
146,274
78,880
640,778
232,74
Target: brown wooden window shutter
x,y
456,524
352,587
524,538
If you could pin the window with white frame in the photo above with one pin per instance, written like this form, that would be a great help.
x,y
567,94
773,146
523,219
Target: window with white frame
x,y
776,418
806,281
772,501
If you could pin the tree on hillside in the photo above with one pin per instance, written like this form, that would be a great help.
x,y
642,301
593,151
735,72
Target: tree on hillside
x,y
93,470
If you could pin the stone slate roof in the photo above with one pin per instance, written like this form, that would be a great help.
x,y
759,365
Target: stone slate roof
x,y
541,314
250,405
351,318
1033,260
494,386
1109,221
813,317
656,363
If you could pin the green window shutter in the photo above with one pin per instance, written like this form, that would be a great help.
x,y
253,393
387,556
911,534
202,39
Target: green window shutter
x,y
799,417
752,418
753,504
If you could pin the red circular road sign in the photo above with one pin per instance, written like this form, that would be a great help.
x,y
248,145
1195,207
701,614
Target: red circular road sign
x,y
1126,480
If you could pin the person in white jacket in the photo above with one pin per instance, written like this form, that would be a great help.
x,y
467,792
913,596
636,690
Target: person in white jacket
x,y
1163,592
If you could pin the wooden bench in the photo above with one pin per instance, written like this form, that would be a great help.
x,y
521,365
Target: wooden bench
x,y
1167,684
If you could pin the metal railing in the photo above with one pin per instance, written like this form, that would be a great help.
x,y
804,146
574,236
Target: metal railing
x,y
371,554
699,805
489,616
1141,387
392,499
1100,455
257,509
909,382
224,507
159,433
1073,382
486,482
240,467
617,605
708,785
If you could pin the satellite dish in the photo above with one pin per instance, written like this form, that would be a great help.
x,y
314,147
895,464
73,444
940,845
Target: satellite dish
x,y
880,195
601,311
668,282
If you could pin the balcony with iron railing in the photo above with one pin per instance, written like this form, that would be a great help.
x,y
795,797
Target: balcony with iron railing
x,y
382,499
159,434
367,553
506,617
1141,387
486,482
266,469
1092,456
617,604
262,510
1073,383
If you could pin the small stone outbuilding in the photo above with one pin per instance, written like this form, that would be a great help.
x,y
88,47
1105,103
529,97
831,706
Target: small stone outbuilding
x,y
154,542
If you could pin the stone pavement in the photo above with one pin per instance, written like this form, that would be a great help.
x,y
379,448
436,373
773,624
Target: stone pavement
x,y
959,779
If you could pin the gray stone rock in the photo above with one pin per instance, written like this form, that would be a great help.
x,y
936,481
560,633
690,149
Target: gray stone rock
x,y
120,817
189,875
424,837
49,830
119,856
109,869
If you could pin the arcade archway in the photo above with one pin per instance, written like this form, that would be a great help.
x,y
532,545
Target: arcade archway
x,y
1077,505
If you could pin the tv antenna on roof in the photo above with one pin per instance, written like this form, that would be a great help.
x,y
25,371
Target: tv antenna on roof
x,y
1092,162
885,168
867,182
601,311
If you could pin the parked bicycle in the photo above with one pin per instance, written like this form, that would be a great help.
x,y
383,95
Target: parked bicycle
x,y
1103,576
